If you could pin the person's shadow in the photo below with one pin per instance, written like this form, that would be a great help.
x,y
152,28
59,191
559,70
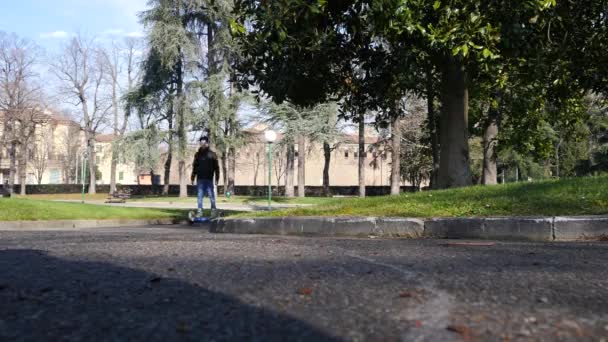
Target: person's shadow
x,y
44,298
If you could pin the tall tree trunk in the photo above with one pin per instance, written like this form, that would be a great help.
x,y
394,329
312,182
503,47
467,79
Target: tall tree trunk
x,y
167,176
23,156
181,132
12,167
289,171
557,147
433,130
169,161
92,164
490,176
361,154
223,162
114,161
396,157
327,156
302,166
113,166
454,168
229,187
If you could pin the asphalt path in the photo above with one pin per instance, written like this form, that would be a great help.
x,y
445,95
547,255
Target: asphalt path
x,y
183,283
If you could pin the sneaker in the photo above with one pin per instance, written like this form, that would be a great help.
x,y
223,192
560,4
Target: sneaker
x,y
214,213
199,213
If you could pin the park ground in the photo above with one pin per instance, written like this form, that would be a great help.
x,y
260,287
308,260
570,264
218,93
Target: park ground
x,y
179,283
566,197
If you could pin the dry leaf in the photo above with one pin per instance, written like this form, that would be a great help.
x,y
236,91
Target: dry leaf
x,y
306,291
463,331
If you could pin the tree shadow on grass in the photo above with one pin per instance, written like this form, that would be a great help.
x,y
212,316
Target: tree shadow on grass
x,y
46,298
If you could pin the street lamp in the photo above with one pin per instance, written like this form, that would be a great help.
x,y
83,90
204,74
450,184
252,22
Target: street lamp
x,y
271,137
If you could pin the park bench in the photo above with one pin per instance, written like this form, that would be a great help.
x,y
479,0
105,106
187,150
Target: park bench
x,y
4,191
119,196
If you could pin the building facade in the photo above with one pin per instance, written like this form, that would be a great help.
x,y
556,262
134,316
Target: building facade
x,y
55,157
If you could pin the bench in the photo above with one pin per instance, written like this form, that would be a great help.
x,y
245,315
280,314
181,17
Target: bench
x,y
4,192
119,196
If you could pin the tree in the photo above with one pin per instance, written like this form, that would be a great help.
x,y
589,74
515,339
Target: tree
x,y
454,40
319,124
172,48
323,127
116,58
290,121
20,100
81,70
140,148
154,101
71,152
40,155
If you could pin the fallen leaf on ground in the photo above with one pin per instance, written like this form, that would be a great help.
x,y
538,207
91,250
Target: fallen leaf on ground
x,y
306,291
462,330
418,324
416,293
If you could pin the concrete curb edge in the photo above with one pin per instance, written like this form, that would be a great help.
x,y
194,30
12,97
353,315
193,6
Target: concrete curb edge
x,y
84,224
574,228
488,228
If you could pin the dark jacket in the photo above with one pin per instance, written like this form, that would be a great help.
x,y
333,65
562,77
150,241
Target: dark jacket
x,y
205,165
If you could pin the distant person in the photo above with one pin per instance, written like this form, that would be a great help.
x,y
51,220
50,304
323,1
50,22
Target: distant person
x,y
205,168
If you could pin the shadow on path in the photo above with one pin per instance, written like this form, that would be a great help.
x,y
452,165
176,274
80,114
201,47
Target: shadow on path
x,y
46,298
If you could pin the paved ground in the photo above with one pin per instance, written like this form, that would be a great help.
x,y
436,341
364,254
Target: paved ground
x,y
185,284
191,205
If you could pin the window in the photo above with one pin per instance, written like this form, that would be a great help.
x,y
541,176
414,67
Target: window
x,y
55,176
121,176
346,154
356,154
297,154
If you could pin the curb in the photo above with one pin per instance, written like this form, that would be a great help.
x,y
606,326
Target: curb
x,y
84,224
490,228
322,226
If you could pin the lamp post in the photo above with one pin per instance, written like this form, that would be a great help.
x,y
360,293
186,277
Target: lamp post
x,y
83,174
271,137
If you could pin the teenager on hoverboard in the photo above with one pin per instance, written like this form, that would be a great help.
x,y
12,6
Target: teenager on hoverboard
x,y
205,168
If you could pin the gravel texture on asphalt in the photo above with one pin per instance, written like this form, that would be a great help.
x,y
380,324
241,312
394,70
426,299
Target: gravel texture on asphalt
x,y
160,284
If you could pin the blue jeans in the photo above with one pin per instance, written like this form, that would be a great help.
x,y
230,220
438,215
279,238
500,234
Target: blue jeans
x,y
205,186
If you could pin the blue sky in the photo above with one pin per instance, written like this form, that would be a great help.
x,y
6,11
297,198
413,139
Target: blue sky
x,y
50,23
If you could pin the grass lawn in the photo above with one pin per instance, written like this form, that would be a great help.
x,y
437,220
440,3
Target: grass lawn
x,y
220,199
238,200
17,209
70,197
577,196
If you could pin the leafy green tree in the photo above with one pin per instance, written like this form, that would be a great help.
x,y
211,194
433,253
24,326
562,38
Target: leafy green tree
x,y
323,41
173,49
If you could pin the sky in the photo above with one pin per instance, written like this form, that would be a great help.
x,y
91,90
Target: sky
x,y
51,23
